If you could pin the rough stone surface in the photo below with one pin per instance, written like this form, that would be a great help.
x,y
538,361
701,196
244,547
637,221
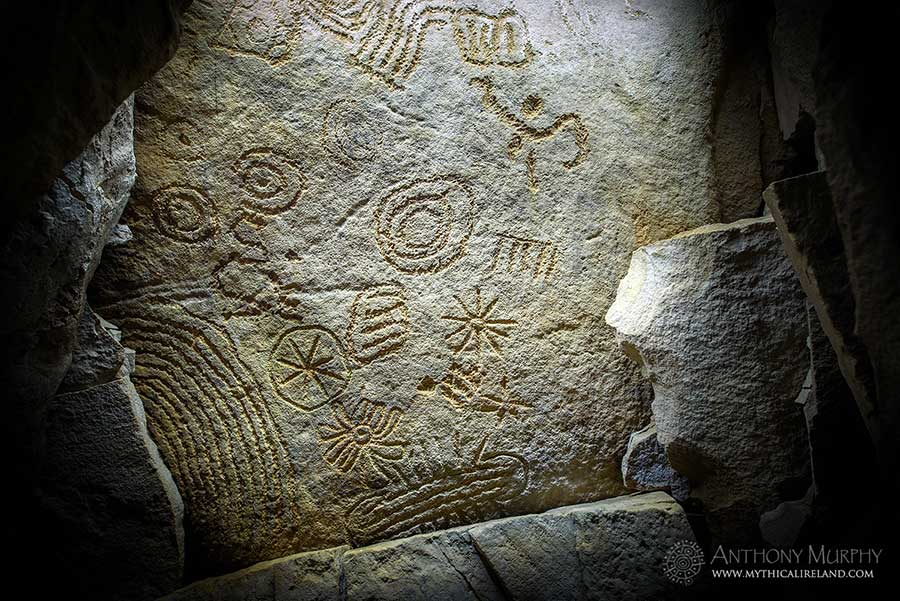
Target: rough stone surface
x,y
746,141
646,466
372,249
72,65
107,495
717,319
793,46
612,549
802,209
97,357
443,565
312,576
47,264
842,456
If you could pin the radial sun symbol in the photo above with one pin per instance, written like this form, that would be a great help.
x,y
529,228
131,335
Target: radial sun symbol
x,y
479,327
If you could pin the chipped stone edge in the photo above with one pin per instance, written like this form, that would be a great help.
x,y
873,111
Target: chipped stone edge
x,y
632,503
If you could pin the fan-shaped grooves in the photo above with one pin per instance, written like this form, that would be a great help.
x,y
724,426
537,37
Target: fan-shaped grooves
x,y
213,428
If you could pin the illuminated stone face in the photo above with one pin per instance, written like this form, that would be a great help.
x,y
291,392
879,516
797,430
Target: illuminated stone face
x,y
374,242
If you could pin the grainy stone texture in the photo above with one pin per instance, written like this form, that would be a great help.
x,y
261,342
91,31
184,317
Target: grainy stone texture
x,y
747,146
717,319
646,466
312,576
97,356
373,244
105,491
443,565
612,549
47,264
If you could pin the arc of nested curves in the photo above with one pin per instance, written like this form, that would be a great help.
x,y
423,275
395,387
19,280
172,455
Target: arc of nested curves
x,y
210,420
391,47
342,21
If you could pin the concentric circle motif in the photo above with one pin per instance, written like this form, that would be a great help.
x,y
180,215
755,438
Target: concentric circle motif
x,y
684,562
270,182
423,226
351,131
183,213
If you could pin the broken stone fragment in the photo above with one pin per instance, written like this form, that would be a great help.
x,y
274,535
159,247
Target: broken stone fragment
x,y
802,207
646,466
97,356
717,319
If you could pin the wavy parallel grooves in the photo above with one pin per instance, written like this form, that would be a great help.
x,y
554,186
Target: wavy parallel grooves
x,y
391,48
394,515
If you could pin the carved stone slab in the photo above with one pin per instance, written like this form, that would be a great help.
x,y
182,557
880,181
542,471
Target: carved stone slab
x,y
374,242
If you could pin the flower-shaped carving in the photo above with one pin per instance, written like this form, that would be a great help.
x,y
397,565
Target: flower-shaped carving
x,y
366,434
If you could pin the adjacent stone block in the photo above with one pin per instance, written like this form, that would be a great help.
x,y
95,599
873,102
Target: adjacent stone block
x,y
802,208
612,549
443,565
311,576
716,317
108,496
48,260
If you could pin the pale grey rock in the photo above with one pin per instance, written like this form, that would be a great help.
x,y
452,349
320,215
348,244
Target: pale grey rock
x,y
108,496
645,466
443,565
97,358
436,224
537,556
716,317
312,576
613,549
48,261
